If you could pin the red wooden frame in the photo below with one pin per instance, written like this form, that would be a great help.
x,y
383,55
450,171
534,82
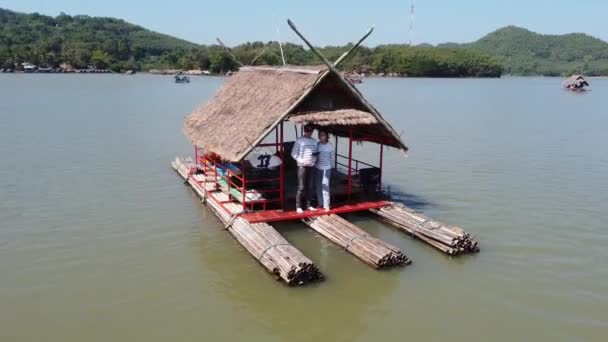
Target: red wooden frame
x,y
380,167
277,215
212,163
228,174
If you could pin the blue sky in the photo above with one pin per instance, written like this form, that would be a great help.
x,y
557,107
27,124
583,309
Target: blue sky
x,y
338,21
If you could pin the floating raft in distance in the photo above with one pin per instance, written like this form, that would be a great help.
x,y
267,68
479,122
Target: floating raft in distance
x,y
452,240
262,241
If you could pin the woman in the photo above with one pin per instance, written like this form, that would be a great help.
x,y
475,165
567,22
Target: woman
x,y
323,166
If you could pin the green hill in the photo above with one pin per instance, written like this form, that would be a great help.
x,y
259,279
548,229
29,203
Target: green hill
x,y
113,43
523,52
81,41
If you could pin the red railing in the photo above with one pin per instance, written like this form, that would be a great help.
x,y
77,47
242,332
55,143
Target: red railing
x,y
356,163
212,163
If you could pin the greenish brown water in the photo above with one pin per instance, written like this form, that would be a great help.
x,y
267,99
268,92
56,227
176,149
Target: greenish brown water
x,y
101,241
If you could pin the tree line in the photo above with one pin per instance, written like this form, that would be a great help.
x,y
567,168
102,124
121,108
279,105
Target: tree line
x,y
83,41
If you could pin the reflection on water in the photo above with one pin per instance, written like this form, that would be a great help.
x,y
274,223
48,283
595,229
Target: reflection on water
x,y
100,240
413,201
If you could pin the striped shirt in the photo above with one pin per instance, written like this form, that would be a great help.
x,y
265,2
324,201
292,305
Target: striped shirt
x,y
303,151
325,159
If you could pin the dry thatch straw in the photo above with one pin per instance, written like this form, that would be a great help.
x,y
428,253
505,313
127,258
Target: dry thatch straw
x,y
256,99
342,117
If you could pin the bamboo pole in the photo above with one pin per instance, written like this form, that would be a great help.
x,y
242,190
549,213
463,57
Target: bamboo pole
x,y
371,250
263,242
348,85
227,49
451,240
353,48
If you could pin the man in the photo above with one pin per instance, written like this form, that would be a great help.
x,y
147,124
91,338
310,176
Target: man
x,y
305,153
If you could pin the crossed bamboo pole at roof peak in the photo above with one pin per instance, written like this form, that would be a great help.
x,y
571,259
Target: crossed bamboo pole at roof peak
x,y
236,60
229,52
331,69
332,66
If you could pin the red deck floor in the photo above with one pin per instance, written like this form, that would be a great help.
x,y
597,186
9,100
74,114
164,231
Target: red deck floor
x,y
278,215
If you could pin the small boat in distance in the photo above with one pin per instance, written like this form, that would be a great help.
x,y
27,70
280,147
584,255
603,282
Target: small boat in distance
x,y
575,83
354,77
182,79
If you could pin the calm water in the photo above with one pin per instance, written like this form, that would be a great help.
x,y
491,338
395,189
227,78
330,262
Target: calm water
x,y
101,241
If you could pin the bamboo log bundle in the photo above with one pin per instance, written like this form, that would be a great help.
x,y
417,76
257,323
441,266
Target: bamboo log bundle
x,y
451,240
275,253
262,241
371,250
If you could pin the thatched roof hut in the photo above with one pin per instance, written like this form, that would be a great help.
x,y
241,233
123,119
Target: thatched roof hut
x,y
256,99
575,82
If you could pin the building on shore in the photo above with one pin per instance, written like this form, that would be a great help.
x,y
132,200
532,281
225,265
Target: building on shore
x,y
28,67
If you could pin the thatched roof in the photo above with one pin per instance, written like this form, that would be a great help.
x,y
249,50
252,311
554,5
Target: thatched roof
x,y
340,117
576,81
247,105
256,99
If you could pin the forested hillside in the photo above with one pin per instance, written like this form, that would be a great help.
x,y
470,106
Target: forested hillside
x,y
79,41
83,41
523,52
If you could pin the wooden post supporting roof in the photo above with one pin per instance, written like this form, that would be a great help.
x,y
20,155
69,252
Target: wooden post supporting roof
x,y
350,161
380,168
282,167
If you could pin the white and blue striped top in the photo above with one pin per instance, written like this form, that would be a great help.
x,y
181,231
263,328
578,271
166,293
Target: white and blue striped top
x,y
325,159
304,151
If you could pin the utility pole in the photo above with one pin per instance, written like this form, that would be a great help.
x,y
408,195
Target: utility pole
x,y
411,23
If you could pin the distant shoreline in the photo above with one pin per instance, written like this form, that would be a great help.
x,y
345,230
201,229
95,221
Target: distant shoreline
x,y
200,73
172,73
64,40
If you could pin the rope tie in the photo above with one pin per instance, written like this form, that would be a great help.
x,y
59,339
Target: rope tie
x,y
232,218
272,246
356,237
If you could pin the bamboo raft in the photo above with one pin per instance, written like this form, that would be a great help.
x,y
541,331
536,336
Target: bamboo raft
x,y
451,240
371,250
262,241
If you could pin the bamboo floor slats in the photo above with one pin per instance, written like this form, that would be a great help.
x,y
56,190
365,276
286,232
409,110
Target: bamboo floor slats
x,y
355,240
262,241
451,240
